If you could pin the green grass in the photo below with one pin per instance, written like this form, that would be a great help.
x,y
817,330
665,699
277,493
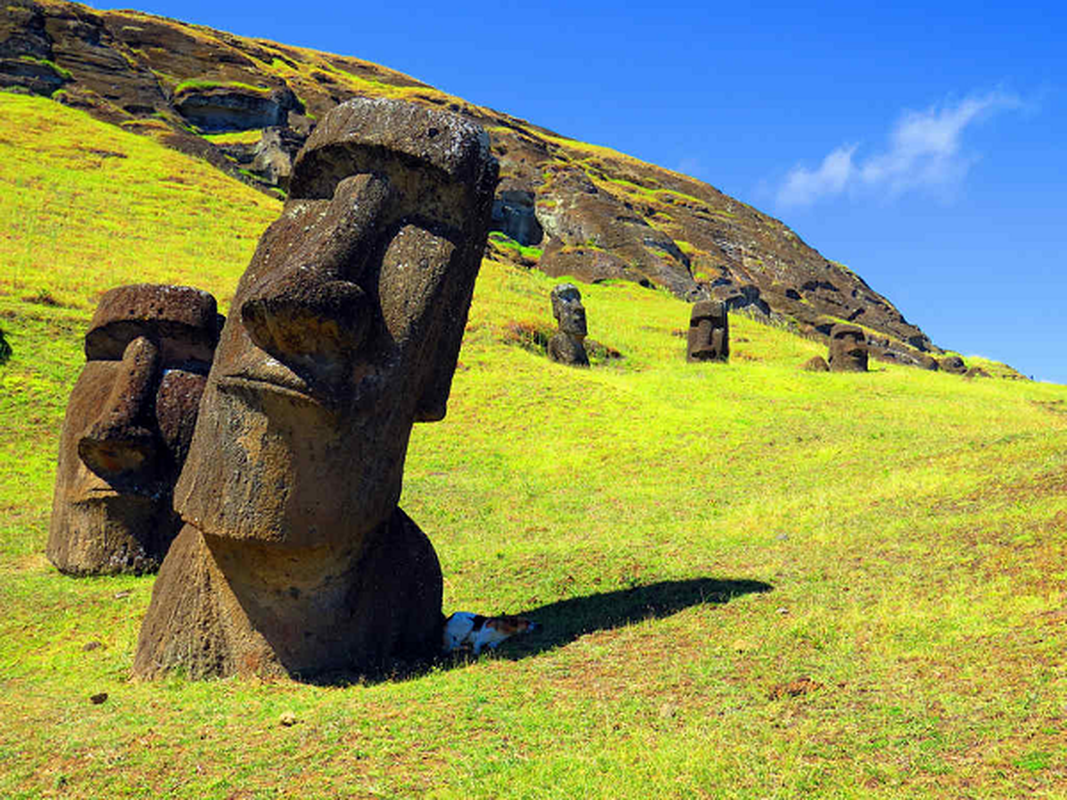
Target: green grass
x,y
197,83
911,528
526,251
58,70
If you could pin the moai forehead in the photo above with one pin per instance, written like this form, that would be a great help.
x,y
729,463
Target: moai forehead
x,y
848,333
563,296
713,311
182,319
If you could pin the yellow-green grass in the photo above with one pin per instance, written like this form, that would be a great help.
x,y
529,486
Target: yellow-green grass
x,y
84,205
909,528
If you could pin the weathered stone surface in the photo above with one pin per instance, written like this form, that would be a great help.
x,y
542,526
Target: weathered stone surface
x,y
514,215
5,348
975,372
222,108
295,558
953,365
848,349
709,332
816,364
567,345
273,155
127,429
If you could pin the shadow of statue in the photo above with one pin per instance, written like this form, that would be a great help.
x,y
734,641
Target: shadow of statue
x,y
565,620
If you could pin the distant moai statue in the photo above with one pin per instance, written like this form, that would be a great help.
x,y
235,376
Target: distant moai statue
x,y
953,365
848,349
127,430
567,345
709,332
295,558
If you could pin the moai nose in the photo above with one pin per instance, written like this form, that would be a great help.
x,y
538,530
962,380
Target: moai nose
x,y
119,443
313,316
309,322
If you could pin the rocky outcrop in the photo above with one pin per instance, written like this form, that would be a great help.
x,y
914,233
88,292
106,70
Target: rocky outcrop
x,y
222,108
596,214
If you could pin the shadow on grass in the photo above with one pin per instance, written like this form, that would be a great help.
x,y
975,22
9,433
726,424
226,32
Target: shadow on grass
x,y
564,621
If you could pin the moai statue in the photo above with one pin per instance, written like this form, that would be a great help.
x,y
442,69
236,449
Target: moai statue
x,y
848,349
567,345
127,430
294,558
953,365
709,332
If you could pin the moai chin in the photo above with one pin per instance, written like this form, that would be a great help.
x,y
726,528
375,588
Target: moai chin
x,y
567,345
295,558
709,332
127,429
848,349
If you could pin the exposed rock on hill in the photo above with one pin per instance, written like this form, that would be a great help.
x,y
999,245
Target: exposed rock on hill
x,y
247,105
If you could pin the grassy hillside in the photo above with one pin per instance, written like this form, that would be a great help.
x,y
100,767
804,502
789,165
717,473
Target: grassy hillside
x,y
754,581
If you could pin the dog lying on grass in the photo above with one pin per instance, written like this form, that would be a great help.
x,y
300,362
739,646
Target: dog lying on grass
x,y
466,630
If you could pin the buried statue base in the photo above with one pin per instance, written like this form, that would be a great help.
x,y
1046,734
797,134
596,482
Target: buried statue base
x,y
294,558
228,607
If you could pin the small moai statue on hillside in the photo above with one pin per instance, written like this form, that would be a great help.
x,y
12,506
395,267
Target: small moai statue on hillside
x,y
848,349
127,430
567,345
295,558
953,365
709,332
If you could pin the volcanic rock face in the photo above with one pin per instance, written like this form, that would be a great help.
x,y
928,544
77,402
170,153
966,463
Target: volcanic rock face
x,y
848,349
127,430
295,558
596,214
709,332
567,345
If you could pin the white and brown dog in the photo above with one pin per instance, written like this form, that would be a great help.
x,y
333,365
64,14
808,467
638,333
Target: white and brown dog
x,y
466,630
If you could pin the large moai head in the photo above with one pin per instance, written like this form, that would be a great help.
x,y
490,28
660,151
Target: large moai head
x,y
128,426
567,345
709,332
345,331
848,349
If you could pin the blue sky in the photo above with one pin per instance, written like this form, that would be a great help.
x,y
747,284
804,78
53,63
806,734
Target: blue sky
x,y
924,145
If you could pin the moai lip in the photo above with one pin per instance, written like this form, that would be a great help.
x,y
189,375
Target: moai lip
x,y
295,558
567,345
127,429
709,332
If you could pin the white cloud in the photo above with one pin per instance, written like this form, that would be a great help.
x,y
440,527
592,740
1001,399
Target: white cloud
x,y
924,152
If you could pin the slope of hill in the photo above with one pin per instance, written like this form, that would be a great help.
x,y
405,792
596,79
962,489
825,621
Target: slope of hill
x,y
754,581
246,105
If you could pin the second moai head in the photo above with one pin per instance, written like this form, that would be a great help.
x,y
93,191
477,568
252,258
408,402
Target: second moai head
x,y
128,426
567,346
848,349
709,332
